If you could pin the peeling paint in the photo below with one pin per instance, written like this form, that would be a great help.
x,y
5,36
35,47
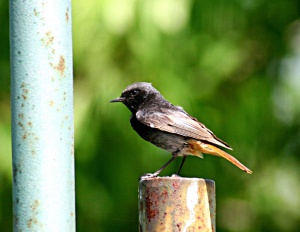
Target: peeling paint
x,y
191,202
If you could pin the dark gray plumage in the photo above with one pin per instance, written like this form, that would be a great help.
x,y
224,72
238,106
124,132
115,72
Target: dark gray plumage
x,y
169,127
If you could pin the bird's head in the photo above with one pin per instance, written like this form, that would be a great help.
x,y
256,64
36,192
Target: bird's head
x,y
136,95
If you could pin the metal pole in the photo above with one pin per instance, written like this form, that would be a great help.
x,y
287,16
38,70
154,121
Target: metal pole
x,y
42,115
177,204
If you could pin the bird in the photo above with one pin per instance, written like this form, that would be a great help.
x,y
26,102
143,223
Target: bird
x,y
170,127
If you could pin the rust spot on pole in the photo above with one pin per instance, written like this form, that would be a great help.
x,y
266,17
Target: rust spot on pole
x,y
67,15
35,205
36,13
51,103
61,66
176,204
33,220
48,39
16,219
24,136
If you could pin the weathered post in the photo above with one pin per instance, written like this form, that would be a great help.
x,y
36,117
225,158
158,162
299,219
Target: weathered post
x,y
176,204
42,115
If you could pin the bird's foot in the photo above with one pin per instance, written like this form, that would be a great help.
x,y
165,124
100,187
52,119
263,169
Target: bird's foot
x,y
175,175
148,176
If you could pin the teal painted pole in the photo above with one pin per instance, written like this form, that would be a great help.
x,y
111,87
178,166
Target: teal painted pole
x,y
42,115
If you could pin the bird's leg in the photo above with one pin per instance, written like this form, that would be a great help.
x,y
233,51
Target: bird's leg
x,y
184,157
164,166
155,174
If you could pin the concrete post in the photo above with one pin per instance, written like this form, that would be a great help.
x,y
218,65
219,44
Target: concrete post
x,y
177,204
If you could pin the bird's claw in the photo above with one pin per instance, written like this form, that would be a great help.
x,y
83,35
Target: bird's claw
x,y
175,175
148,176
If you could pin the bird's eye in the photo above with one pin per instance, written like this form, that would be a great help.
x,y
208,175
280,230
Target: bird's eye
x,y
134,92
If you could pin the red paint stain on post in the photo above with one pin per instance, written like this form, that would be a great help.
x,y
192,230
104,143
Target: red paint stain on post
x,y
175,184
151,205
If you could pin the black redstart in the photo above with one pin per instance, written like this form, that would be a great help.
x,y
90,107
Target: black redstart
x,y
169,127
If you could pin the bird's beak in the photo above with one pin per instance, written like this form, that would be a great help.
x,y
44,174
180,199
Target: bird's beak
x,y
119,99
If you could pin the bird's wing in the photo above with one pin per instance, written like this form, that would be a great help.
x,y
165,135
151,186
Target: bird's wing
x,y
179,122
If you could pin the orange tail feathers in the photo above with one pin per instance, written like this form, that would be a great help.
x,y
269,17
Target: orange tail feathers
x,y
212,150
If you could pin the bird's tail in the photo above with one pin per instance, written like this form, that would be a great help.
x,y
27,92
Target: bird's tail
x,y
212,150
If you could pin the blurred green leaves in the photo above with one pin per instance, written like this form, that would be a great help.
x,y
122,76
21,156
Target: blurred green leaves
x,y
232,64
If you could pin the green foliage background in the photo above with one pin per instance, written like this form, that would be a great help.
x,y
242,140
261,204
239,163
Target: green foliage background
x,y
234,64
